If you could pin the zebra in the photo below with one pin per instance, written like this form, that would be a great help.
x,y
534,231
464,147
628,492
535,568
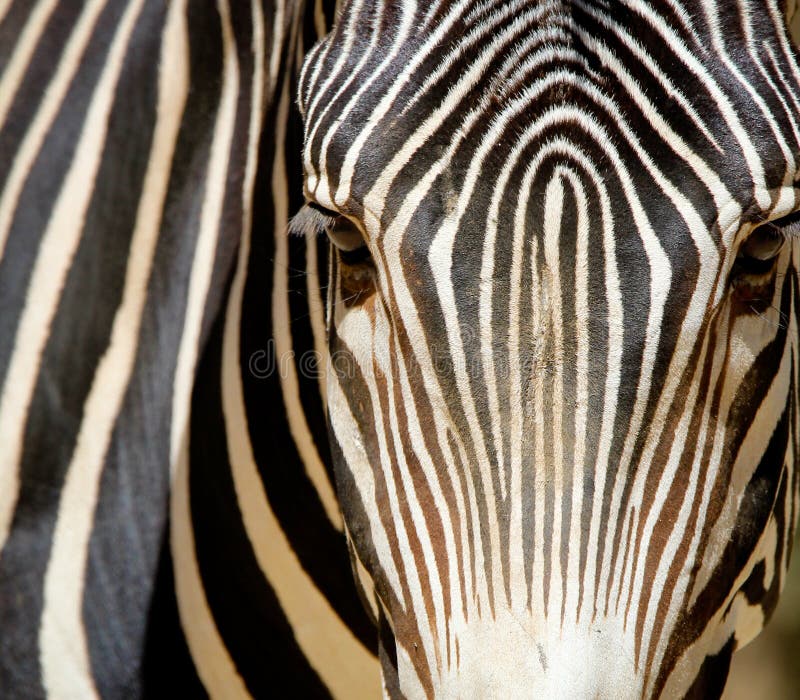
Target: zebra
x,y
562,326
167,518
138,549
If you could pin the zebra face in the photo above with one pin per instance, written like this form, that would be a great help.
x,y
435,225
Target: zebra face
x,y
563,334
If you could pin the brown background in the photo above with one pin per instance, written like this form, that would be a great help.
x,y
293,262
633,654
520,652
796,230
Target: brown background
x,y
769,667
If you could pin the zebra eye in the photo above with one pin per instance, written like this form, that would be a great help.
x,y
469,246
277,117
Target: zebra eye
x,y
766,241
356,268
753,274
345,236
763,244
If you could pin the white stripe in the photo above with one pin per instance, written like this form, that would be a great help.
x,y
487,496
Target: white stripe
x,y
690,497
553,214
680,51
348,166
333,74
582,319
434,479
278,44
406,484
5,5
202,267
716,34
358,463
374,347
214,665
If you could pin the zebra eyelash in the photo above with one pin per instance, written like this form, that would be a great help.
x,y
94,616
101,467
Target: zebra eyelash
x,y
312,220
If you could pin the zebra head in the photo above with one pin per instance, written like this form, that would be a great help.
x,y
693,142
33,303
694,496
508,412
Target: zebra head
x,y
563,334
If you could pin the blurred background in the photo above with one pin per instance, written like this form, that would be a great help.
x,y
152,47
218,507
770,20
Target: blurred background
x,y
769,667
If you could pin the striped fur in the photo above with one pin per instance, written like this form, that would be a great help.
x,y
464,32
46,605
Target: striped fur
x,y
564,418
167,521
147,289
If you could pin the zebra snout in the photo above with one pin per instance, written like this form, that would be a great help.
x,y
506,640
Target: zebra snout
x,y
513,655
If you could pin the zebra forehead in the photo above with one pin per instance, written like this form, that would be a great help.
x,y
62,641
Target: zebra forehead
x,y
385,103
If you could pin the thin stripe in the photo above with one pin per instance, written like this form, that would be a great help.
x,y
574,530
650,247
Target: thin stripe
x,y
218,672
202,266
282,333
278,40
316,310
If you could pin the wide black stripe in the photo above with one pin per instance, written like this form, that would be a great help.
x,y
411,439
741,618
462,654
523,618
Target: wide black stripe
x,y
11,27
231,217
710,682
167,668
247,613
308,365
245,608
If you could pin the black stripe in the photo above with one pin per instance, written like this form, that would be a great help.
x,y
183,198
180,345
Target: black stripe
x,y
713,675
11,27
247,613
44,182
167,669
40,71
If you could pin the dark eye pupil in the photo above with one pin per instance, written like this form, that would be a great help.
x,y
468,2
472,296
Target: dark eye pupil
x,y
764,243
341,231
